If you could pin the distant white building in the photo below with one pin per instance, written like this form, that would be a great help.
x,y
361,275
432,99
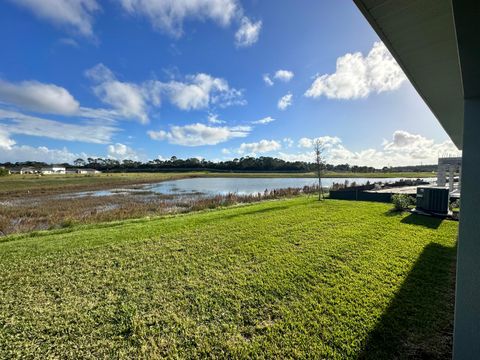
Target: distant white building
x,y
88,171
449,170
53,170
28,170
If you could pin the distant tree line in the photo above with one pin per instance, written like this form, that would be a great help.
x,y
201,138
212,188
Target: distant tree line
x,y
243,164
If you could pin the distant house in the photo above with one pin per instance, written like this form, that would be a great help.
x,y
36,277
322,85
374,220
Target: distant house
x,y
88,171
28,170
53,170
82,171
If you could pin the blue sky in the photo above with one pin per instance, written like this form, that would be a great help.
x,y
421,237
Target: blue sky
x,y
217,79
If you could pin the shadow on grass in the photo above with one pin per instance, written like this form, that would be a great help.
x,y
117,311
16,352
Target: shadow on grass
x,y
393,212
418,323
430,222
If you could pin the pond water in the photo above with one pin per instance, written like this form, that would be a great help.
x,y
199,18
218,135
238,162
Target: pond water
x,y
241,186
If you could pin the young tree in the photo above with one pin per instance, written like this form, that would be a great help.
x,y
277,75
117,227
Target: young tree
x,y
319,163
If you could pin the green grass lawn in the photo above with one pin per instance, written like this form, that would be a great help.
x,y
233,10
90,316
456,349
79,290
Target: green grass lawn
x,y
280,279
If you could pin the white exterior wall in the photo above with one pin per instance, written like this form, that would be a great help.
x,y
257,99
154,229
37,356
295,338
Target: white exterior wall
x,y
53,170
59,170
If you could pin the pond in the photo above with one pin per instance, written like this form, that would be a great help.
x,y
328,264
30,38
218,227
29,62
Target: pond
x,y
241,186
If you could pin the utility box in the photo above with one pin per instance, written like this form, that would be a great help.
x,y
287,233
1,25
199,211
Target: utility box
x,y
433,199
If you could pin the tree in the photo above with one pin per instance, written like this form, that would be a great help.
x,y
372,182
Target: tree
x,y
79,162
319,164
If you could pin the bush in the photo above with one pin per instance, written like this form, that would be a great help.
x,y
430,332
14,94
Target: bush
x,y
3,172
67,223
402,202
455,205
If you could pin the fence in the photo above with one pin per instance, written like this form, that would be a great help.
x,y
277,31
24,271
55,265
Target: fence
x,y
359,195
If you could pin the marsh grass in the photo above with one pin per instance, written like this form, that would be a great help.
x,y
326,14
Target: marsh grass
x,y
24,185
32,213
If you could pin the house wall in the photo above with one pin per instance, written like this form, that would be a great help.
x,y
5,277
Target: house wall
x,y
467,299
54,170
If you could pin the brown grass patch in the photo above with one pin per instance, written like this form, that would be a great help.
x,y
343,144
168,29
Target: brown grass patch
x,y
32,213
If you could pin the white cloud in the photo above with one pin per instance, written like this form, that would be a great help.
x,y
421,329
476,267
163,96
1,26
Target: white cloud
x,y
213,119
41,154
305,143
262,146
107,116
121,152
199,92
5,142
125,98
248,33
325,141
199,134
44,98
226,151
404,149
100,73
285,101
91,132
267,80
165,15
417,147
306,156
264,121
39,97
169,15
130,100
284,75
133,101
74,14
357,76
403,139
68,42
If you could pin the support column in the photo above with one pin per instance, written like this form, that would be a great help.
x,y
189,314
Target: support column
x,y
459,186
467,303
451,177
441,175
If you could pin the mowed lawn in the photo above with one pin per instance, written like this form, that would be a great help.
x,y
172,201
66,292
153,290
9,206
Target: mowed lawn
x,y
292,278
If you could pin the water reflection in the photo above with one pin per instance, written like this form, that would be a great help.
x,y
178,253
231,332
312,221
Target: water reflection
x,y
222,186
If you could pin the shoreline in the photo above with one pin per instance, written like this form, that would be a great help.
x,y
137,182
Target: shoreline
x,y
21,185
